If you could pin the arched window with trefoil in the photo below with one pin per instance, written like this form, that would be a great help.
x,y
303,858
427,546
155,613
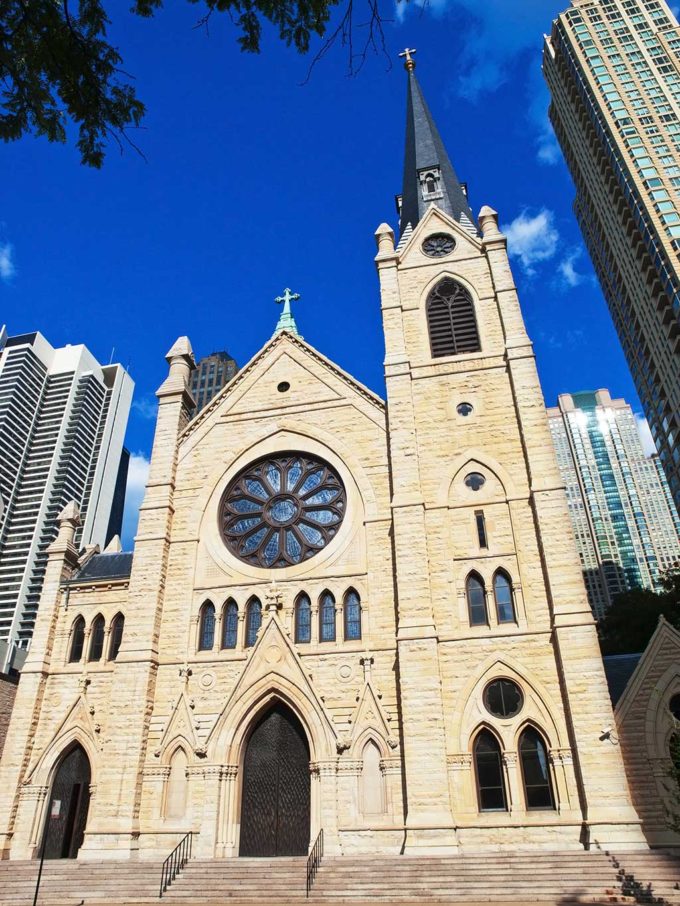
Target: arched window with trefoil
x,y
253,621
488,761
533,756
206,628
303,619
475,593
230,624
503,596
451,320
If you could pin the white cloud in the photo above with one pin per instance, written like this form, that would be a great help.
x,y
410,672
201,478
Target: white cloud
x,y
538,99
138,473
145,407
648,444
7,266
567,269
532,239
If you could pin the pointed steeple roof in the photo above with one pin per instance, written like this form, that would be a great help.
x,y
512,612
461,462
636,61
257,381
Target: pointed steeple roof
x,y
425,153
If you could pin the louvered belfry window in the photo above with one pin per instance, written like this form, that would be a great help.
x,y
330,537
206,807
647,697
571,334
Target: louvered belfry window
x,y
451,320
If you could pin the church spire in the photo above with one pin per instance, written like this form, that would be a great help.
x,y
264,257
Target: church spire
x,y
429,177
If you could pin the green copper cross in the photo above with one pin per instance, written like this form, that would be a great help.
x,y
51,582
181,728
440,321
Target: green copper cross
x,y
287,321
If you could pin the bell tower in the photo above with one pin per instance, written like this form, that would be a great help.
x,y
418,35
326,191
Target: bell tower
x,y
488,581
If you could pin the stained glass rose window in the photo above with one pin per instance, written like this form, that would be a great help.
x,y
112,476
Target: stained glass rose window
x,y
282,510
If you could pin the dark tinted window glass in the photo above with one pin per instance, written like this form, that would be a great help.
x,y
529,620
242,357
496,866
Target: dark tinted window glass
x,y
505,607
535,770
77,641
489,770
674,706
481,529
116,636
476,598
97,639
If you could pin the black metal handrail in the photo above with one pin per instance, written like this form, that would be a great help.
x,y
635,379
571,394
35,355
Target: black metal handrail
x,y
314,860
175,862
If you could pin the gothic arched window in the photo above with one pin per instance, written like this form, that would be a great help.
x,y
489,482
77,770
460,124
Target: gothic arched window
x,y
117,627
502,591
97,639
533,754
253,621
489,773
77,641
352,615
229,624
476,600
206,632
327,618
451,320
303,619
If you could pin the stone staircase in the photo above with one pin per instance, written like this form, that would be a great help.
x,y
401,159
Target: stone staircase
x,y
558,879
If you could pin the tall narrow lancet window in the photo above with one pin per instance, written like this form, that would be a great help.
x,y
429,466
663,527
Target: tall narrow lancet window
x,y
352,614
206,631
253,621
372,788
77,641
476,600
451,320
117,627
97,639
489,773
303,619
230,624
502,590
533,754
327,617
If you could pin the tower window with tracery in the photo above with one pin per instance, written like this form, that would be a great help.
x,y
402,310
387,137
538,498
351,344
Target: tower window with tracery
x,y
451,320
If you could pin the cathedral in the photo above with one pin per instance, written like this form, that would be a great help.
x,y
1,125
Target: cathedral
x,y
343,614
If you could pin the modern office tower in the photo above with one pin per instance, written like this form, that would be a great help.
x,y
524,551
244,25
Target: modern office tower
x,y
210,376
626,525
614,75
62,423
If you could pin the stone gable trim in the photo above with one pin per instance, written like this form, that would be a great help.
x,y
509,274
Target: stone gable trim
x,y
664,633
278,340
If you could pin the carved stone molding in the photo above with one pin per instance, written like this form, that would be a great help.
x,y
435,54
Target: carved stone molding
x,y
510,759
156,772
459,761
33,791
561,756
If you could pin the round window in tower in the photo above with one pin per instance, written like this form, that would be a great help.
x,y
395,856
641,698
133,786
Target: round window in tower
x,y
438,245
282,510
475,481
503,698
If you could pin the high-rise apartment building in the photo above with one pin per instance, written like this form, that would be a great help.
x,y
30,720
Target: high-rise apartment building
x,y
210,376
62,424
613,68
626,525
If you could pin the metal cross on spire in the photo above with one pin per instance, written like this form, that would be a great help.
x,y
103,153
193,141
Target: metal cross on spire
x,y
287,321
409,62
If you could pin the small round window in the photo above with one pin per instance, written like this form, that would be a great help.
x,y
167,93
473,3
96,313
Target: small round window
x,y
674,706
438,245
475,481
503,698
464,409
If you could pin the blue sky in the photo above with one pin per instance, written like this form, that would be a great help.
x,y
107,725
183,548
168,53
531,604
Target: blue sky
x,y
254,181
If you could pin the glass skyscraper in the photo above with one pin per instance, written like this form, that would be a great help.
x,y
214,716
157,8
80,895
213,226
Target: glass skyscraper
x,y
211,374
613,69
626,525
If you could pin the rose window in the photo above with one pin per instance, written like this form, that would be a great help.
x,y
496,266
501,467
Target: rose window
x,y
280,511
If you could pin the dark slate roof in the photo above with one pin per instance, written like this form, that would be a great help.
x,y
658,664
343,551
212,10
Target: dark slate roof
x,y
105,566
424,148
618,669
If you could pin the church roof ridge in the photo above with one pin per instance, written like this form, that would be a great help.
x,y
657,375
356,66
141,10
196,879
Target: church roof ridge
x,y
273,341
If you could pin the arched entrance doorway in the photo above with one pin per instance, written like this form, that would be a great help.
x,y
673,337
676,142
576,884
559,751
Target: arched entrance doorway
x,y
69,802
276,787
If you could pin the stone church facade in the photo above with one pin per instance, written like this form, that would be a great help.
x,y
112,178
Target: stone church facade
x,y
342,614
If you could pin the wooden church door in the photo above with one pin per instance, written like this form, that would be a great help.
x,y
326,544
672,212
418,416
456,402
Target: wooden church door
x,y
275,802
69,803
